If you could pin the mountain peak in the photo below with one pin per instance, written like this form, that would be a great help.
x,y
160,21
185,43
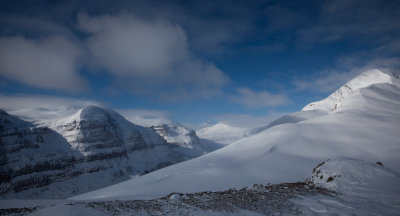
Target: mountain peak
x,y
92,112
365,79
370,77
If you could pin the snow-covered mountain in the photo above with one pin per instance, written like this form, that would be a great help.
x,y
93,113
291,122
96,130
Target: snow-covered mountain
x,y
31,156
365,126
62,157
174,133
335,101
222,133
94,130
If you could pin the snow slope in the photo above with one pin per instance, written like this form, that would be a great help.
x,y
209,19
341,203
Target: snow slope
x,y
365,127
291,118
355,187
363,189
222,133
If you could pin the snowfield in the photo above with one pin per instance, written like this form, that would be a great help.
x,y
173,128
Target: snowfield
x,y
363,189
365,126
341,186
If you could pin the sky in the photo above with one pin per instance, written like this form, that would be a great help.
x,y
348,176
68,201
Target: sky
x,y
243,62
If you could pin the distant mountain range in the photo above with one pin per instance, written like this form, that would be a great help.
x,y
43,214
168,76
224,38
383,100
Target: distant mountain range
x,y
93,148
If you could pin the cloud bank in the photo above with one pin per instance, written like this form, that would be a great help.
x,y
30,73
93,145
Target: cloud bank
x,y
150,56
47,63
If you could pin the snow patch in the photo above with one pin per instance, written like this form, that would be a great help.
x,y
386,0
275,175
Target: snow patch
x,y
345,174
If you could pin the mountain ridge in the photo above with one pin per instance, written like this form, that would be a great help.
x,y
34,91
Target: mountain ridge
x,y
365,79
366,128
97,143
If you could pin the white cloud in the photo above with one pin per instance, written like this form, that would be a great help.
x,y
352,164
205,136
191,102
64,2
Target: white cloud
x,y
151,57
37,107
50,63
253,99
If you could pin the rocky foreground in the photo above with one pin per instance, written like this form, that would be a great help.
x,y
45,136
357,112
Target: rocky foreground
x,y
257,199
342,186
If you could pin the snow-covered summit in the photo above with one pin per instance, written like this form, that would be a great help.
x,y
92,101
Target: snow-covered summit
x,y
9,119
93,129
173,132
365,79
92,112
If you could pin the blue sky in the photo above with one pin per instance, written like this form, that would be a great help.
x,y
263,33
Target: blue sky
x,y
193,61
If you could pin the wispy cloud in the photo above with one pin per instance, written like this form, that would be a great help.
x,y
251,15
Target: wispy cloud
x,y
38,107
255,100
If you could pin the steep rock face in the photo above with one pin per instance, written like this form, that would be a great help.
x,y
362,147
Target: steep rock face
x,y
93,130
64,157
31,156
175,134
